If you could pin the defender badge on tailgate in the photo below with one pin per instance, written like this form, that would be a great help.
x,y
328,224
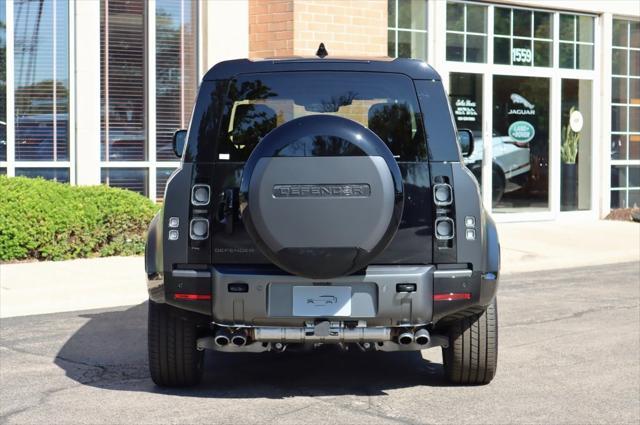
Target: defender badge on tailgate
x,y
353,190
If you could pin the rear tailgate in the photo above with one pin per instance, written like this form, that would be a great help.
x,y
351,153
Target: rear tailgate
x,y
412,244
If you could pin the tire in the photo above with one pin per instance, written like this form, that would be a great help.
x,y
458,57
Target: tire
x,y
174,360
472,355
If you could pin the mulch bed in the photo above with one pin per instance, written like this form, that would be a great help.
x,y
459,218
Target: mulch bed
x,y
624,214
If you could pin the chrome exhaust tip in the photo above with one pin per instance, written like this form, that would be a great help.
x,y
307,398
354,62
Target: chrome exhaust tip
x,y
405,338
239,338
222,337
422,337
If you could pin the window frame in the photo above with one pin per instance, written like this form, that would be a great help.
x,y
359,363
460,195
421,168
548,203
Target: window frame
x,y
626,162
576,44
396,30
555,74
151,164
464,33
10,165
532,39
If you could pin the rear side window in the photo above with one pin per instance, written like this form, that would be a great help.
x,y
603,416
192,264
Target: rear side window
x,y
384,103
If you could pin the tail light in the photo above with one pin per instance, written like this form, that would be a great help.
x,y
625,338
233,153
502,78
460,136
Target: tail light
x,y
200,194
199,228
452,296
444,228
442,194
192,297
470,228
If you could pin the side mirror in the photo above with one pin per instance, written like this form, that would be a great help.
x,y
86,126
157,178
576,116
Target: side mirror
x,y
179,140
465,139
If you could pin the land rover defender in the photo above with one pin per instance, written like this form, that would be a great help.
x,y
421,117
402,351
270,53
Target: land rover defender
x,y
322,201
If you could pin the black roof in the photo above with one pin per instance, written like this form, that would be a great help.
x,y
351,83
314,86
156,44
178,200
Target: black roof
x,y
413,68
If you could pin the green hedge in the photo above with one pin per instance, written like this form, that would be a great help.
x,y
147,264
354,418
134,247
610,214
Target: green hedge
x,y
45,220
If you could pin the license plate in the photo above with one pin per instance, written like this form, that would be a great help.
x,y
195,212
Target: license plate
x,y
321,301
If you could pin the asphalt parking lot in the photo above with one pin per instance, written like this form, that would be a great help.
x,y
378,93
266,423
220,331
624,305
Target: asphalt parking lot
x,y
569,353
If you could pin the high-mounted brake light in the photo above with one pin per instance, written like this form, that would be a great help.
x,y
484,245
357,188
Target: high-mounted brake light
x,y
191,297
452,296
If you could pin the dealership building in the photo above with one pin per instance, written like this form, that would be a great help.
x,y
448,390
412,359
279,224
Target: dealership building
x,y
91,91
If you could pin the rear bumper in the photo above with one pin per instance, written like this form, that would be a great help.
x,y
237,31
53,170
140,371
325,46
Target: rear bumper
x,y
383,296
374,297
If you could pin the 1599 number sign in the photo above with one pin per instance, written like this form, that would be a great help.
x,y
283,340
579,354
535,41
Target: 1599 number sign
x,y
521,55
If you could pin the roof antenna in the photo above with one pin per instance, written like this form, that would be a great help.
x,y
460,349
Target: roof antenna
x,y
322,52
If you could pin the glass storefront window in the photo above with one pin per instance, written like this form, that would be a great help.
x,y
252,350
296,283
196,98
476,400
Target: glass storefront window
x,y
465,97
625,114
3,82
520,143
576,41
162,176
135,179
176,79
122,33
466,32
407,29
41,86
575,148
60,175
522,37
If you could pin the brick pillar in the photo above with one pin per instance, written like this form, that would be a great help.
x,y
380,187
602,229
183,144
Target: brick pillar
x,y
297,27
346,27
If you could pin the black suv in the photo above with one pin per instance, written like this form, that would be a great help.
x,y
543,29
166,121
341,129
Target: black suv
x,y
322,201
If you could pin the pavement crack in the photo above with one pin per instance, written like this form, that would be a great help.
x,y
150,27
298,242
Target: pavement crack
x,y
369,411
546,340
575,315
22,351
42,399
92,373
4,418
290,412
79,363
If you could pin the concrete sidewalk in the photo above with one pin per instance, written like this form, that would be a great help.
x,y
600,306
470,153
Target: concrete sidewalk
x,y
56,286
49,287
562,244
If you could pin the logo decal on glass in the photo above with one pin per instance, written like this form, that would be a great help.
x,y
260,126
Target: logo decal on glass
x,y
521,131
529,108
576,121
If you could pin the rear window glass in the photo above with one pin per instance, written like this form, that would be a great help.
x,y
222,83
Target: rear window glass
x,y
384,103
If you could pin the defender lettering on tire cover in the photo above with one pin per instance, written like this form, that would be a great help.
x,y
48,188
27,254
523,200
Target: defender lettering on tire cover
x,y
321,196
321,190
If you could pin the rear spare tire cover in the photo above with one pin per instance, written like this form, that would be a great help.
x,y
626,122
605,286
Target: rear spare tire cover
x,y
321,196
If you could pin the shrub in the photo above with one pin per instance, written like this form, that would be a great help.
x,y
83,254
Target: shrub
x,y
45,220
